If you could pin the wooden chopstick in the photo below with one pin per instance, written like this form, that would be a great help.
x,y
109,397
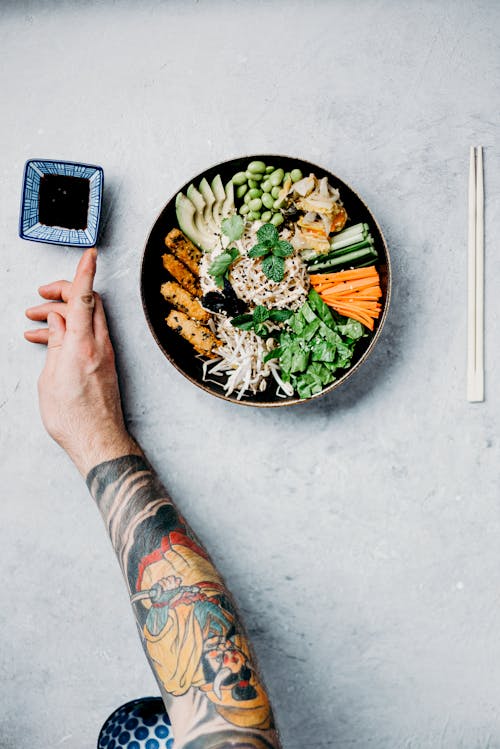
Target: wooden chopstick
x,y
475,286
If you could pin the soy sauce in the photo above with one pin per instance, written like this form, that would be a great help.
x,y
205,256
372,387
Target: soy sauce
x,y
63,201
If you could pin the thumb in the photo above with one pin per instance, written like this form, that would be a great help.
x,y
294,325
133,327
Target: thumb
x,y
57,329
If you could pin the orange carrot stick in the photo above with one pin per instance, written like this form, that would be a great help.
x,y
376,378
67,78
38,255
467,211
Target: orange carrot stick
x,y
355,315
349,286
353,293
341,275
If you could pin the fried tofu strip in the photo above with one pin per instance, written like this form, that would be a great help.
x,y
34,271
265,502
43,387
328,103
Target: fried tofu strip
x,y
184,301
184,250
181,274
200,337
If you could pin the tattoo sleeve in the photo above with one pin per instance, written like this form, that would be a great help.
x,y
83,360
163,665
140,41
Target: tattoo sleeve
x,y
188,623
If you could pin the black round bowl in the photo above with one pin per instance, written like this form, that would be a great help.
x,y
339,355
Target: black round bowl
x,y
178,351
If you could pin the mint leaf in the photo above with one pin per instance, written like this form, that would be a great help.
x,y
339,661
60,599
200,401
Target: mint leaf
x,y
261,314
280,315
268,232
233,227
244,322
260,250
282,248
261,330
274,268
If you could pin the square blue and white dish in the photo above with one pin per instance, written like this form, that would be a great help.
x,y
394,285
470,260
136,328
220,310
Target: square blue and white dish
x,y
37,172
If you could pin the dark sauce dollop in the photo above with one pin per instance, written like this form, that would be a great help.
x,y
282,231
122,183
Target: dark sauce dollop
x,y
224,302
63,201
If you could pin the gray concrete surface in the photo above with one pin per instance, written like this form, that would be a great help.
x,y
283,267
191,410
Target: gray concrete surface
x,y
360,534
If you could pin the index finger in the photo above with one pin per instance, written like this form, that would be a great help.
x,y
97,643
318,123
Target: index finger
x,y
81,300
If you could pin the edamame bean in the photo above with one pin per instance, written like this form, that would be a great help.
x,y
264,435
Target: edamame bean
x,y
247,198
278,203
254,193
275,192
286,177
266,216
241,190
244,210
277,177
267,200
252,183
277,219
266,186
253,175
269,169
296,175
254,215
239,179
256,167
255,204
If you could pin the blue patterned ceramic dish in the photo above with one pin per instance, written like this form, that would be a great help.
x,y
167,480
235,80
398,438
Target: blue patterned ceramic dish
x,y
140,724
29,224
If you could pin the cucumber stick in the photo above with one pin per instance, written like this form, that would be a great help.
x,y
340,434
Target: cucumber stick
x,y
338,242
343,251
356,229
350,234
362,256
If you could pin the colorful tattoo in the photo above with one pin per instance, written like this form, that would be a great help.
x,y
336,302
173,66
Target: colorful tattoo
x,y
191,630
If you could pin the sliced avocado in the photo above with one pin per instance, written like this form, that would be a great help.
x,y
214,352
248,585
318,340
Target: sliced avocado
x,y
196,198
199,203
220,196
209,199
228,206
218,189
186,211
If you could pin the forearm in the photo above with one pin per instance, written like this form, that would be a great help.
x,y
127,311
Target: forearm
x,y
102,445
191,631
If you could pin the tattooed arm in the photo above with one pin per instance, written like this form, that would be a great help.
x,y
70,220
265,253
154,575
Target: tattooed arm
x,y
190,629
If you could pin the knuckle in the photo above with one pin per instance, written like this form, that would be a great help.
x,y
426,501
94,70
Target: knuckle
x,y
88,352
88,299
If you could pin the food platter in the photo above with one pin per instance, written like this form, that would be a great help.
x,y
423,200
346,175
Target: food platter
x,y
154,273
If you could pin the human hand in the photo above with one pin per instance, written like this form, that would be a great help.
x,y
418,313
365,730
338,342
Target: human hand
x,y
169,583
78,387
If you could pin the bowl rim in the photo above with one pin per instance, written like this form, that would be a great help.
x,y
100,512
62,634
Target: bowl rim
x,y
291,401
91,242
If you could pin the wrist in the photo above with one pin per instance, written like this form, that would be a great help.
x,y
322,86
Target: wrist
x,y
106,444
